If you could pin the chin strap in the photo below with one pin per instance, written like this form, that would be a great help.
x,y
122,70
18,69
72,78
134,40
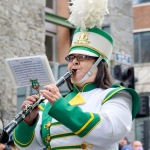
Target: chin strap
x,y
89,73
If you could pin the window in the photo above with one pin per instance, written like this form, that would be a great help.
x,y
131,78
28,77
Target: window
x,y
140,1
50,37
50,6
50,44
142,123
142,47
142,131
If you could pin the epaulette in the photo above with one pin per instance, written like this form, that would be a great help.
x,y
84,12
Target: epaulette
x,y
135,97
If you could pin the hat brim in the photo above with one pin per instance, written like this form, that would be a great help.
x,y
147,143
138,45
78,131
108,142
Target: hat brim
x,y
84,52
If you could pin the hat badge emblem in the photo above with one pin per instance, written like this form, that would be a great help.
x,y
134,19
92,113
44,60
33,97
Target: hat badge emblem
x,y
83,38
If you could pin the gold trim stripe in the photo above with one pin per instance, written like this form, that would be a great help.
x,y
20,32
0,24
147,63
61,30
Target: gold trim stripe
x,y
87,123
112,94
94,126
22,143
85,86
40,107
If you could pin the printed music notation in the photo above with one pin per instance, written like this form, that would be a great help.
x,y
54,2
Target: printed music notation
x,y
24,69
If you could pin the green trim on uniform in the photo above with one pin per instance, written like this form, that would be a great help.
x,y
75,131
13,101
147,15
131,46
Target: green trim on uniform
x,y
45,127
62,135
67,147
82,122
83,131
63,108
23,134
88,128
135,98
87,87
111,93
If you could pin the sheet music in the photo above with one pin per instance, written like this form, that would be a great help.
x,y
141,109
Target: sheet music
x,y
24,69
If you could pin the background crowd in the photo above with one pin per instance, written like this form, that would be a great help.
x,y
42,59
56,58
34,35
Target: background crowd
x,y
126,145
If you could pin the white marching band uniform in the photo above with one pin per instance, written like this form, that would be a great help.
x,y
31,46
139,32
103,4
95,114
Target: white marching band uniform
x,y
113,120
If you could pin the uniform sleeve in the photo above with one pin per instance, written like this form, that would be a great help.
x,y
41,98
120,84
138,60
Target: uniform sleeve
x,y
28,137
112,123
116,120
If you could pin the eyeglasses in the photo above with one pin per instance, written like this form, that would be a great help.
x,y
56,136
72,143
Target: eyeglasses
x,y
70,58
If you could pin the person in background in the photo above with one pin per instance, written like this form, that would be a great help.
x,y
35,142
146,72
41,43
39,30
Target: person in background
x,y
127,147
123,142
95,114
137,145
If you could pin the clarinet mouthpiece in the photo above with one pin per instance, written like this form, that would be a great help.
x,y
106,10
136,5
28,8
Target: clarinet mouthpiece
x,y
74,71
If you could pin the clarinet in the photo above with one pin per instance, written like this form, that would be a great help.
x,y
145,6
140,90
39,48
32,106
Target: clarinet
x,y
4,133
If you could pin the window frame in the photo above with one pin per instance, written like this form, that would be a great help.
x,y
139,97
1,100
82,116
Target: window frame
x,y
54,45
139,48
141,132
53,10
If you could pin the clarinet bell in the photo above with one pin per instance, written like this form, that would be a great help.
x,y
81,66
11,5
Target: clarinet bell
x,y
4,137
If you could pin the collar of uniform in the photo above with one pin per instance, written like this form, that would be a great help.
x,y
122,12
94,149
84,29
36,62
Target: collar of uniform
x,y
87,87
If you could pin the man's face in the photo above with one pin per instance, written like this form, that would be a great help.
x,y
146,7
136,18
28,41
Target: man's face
x,y
137,145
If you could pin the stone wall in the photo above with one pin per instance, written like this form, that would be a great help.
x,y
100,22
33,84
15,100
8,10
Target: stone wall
x,y
121,24
22,32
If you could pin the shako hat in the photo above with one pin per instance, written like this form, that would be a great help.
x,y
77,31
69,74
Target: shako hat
x,y
88,38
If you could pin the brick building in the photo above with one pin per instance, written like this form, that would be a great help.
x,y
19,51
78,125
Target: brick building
x,y
141,31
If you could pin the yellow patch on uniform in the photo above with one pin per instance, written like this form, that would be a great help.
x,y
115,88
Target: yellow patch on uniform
x,y
77,100
40,107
